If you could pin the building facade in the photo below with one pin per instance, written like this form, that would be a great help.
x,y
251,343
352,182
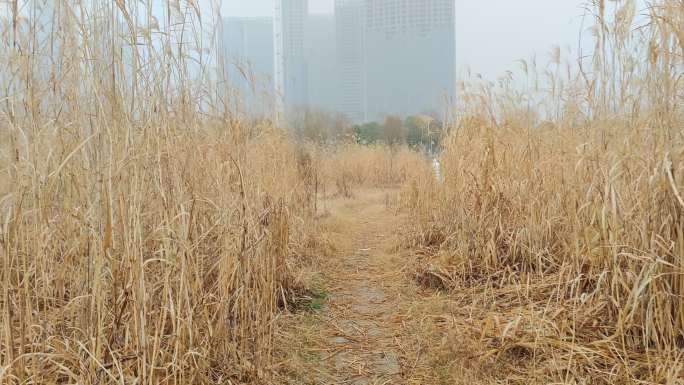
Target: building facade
x,y
351,58
372,59
321,56
410,56
291,18
250,61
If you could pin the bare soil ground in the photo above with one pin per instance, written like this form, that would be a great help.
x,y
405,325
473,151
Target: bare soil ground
x,y
371,324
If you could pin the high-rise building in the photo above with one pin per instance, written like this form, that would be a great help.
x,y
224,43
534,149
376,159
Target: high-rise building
x,y
351,58
410,56
250,61
320,53
291,68
373,59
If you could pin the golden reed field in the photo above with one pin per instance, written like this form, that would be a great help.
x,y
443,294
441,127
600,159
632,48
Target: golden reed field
x,y
153,233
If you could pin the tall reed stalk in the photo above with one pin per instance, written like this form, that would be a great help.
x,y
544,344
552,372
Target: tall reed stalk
x,y
561,209
146,231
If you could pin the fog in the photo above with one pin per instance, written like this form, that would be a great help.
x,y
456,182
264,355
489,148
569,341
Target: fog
x,y
406,62
490,34
371,59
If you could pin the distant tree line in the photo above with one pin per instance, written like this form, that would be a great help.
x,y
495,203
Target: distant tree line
x,y
420,131
319,126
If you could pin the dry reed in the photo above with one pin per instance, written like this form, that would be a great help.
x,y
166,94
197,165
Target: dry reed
x,y
563,239
147,233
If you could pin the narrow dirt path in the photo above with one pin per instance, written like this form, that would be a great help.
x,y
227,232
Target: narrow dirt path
x,y
365,287
372,325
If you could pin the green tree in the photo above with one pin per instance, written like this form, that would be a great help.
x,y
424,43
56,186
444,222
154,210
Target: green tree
x,y
367,133
393,130
414,137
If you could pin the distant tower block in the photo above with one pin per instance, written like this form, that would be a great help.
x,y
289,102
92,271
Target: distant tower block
x,y
248,45
290,68
351,60
410,56
279,65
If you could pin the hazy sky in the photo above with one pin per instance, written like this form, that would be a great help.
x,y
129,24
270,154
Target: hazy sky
x,y
490,34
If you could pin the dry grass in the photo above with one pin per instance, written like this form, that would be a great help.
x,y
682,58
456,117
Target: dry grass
x,y
346,167
147,235
570,250
563,240
178,267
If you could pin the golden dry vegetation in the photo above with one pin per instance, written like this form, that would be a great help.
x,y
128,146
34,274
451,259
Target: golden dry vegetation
x,y
151,233
562,240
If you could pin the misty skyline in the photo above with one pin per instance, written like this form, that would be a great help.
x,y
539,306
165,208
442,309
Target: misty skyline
x,y
491,35
368,61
